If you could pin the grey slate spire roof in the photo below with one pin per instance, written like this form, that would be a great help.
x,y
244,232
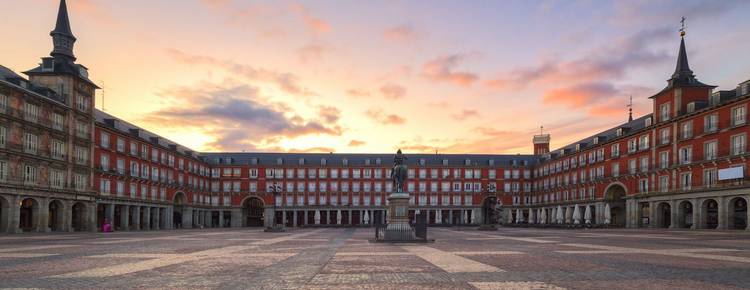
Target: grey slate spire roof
x,y
63,22
62,36
683,75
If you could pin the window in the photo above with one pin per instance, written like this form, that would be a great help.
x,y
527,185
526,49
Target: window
x,y
104,140
632,145
685,180
738,116
80,181
644,164
56,178
664,136
685,155
30,112
643,142
3,102
709,150
710,177
615,171
133,149
710,123
643,185
664,183
615,152
58,122
120,145
82,130
738,144
631,166
664,112
29,175
120,188
104,186
30,143
3,171
3,136
687,130
82,103
663,159
104,162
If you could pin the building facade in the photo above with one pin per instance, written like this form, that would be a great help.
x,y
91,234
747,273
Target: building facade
x,y
65,166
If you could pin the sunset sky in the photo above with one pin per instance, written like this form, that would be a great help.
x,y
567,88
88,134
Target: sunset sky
x,y
373,76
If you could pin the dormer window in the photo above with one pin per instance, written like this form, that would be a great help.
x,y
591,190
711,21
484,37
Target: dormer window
x,y
491,162
377,161
445,162
302,161
579,146
421,161
322,161
254,161
648,122
367,161
467,162
619,132
345,162
279,161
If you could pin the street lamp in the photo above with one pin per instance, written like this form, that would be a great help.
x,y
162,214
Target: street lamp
x,y
275,189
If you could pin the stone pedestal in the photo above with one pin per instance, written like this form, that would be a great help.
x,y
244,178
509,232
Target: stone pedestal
x,y
398,228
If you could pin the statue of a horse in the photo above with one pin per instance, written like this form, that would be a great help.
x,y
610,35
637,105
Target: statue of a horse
x,y
398,176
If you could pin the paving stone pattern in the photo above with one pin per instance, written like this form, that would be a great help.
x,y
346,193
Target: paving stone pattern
x,y
461,258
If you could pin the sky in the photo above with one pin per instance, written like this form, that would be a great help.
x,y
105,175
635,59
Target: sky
x,y
375,76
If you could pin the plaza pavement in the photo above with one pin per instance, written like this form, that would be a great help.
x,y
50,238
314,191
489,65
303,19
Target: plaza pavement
x,y
461,258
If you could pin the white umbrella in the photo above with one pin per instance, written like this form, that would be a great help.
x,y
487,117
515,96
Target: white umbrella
x,y
438,216
532,217
366,218
587,215
510,216
463,216
576,215
544,216
607,214
338,217
473,216
568,214
539,216
559,215
519,216
317,217
553,215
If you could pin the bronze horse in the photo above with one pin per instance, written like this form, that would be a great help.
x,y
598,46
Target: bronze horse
x,y
399,172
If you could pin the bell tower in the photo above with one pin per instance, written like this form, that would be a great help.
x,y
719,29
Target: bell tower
x,y
62,37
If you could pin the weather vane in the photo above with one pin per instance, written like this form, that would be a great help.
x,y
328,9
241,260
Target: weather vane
x,y
682,29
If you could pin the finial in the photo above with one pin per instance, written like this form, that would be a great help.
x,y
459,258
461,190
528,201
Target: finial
x,y
541,130
682,29
630,109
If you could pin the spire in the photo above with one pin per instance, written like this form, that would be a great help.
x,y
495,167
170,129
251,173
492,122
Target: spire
x,y
630,109
683,75
62,36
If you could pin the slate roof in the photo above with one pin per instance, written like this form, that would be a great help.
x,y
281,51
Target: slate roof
x,y
631,127
360,159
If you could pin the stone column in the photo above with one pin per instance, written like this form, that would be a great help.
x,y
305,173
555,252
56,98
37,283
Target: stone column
x,y
723,213
674,214
124,217
747,200
631,213
350,217
14,217
283,217
109,214
67,216
91,213
221,218
236,218
294,218
157,218
652,215
147,218
450,217
361,217
697,215
136,217
169,215
268,215
305,221
43,212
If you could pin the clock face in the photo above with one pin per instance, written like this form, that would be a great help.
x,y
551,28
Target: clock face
x,y
84,72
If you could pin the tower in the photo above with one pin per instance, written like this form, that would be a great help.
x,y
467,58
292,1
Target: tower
x,y
541,142
62,37
683,88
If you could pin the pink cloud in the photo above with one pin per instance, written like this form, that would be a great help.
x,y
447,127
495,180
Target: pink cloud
x,y
401,33
313,23
385,119
393,91
442,69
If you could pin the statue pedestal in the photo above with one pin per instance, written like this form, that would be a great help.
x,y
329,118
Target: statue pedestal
x,y
398,228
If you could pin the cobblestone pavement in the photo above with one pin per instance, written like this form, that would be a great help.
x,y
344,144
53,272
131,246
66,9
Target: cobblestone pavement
x,y
461,258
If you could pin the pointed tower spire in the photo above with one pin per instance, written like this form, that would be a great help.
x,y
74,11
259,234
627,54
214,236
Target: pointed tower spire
x,y
630,109
62,36
683,75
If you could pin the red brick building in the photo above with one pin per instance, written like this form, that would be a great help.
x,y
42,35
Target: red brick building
x,y
684,166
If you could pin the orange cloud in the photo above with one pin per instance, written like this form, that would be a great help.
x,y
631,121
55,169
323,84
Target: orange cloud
x,y
356,143
465,114
443,69
358,93
386,119
393,91
313,23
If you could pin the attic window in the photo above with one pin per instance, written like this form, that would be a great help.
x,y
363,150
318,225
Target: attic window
x,y
279,161
322,161
228,160
578,147
491,162
445,162
254,161
302,161
467,162
377,161
619,132
648,122
345,162
596,140
367,161
421,161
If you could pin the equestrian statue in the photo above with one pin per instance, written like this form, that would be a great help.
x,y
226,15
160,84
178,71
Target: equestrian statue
x,y
399,172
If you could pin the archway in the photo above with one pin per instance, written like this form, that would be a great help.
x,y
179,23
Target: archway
x,y
614,195
685,214
4,214
29,215
56,210
664,213
252,210
644,212
78,217
489,211
710,214
738,213
179,202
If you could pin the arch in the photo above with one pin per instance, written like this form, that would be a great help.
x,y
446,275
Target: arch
x,y
252,211
685,214
663,215
615,194
737,213
79,212
179,199
29,215
56,216
709,214
489,210
4,214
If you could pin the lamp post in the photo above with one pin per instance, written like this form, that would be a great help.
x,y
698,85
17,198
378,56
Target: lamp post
x,y
275,189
